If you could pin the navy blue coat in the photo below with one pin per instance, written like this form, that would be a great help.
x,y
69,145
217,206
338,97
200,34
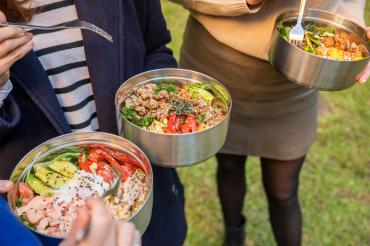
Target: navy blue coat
x,y
32,114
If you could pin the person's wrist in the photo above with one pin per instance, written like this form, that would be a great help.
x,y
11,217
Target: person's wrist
x,y
254,2
4,78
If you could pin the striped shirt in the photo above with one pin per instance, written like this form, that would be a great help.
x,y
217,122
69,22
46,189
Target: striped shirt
x,y
62,54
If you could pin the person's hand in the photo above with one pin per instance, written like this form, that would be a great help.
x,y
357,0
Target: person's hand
x,y
364,75
5,186
103,230
15,43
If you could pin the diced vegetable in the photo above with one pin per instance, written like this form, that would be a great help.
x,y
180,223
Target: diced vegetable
x,y
25,192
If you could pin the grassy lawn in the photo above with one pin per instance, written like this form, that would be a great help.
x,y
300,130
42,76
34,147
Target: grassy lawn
x,y
335,184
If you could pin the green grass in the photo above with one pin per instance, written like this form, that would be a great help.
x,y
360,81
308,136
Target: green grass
x,y
335,182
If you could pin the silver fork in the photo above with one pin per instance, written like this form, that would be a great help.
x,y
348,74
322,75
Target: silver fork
x,y
68,25
296,35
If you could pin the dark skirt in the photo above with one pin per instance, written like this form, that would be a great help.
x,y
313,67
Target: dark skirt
x,y
271,116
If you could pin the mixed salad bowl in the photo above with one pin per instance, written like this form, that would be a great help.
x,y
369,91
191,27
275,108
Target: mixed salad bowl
x,y
177,117
54,180
334,50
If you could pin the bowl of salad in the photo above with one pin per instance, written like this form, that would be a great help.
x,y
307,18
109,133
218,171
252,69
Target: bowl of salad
x,y
177,117
54,180
334,50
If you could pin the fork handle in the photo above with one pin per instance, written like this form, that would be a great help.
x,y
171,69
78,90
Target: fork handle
x,y
26,26
301,11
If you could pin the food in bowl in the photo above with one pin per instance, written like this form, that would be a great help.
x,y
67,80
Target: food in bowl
x,y
53,190
173,108
326,41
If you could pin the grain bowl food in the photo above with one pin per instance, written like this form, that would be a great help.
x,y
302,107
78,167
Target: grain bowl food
x,y
335,50
178,117
55,179
173,108
328,41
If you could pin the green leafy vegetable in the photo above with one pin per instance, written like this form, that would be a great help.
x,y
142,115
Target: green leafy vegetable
x,y
312,35
166,87
284,31
18,202
130,114
201,118
26,222
145,121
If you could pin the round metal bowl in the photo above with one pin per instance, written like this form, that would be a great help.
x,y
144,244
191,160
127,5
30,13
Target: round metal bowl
x,y
140,218
314,71
174,150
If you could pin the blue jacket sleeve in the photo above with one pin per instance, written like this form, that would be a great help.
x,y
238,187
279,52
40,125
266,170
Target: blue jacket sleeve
x,y
9,116
156,38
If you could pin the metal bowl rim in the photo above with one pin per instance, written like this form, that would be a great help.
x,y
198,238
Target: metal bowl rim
x,y
173,134
76,133
294,13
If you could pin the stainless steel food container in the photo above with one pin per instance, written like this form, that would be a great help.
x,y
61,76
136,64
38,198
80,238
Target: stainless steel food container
x,y
174,150
310,70
142,216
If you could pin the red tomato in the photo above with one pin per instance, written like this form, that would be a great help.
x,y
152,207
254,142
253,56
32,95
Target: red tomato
x,y
94,156
126,172
25,192
82,163
171,125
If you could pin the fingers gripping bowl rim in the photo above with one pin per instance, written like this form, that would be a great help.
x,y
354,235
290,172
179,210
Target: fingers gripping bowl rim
x,y
140,217
174,150
314,71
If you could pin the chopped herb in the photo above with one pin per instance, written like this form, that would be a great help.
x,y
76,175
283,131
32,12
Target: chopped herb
x,y
181,107
170,88
201,118
130,114
145,121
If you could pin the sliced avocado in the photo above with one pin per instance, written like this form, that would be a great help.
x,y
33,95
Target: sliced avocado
x,y
64,168
200,89
37,185
205,94
49,177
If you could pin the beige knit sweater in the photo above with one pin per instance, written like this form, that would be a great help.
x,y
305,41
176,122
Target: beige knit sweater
x,y
247,29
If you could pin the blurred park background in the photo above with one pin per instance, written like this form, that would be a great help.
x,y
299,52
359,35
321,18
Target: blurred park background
x,y
335,181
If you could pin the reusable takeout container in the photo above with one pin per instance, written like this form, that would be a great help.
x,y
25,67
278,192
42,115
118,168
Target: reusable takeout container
x,y
174,150
140,218
314,71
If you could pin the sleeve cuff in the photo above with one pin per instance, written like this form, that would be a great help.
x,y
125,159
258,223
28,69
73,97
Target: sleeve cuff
x,y
255,8
4,91
220,7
